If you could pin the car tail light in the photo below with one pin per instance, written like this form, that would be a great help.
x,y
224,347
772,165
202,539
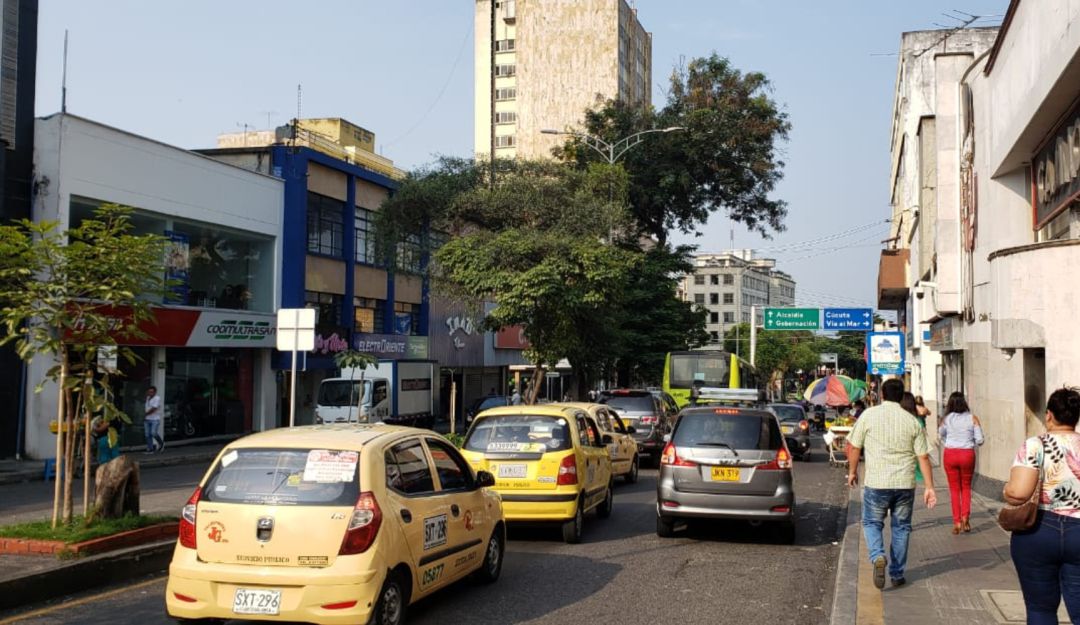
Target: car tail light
x,y
187,520
568,471
648,420
782,462
184,598
344,605
781,509
363,526
804,425
671,456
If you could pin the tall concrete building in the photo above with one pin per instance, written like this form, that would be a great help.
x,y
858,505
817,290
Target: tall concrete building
x,y
727,285
553,59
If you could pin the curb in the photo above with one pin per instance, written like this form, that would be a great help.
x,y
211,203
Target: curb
x,y
91,572
846,590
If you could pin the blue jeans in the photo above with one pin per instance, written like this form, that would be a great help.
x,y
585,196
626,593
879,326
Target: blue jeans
x,y
153,439
1047,561
898,504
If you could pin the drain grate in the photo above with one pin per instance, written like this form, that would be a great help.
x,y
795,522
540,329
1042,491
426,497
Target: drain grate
x,y
1007,606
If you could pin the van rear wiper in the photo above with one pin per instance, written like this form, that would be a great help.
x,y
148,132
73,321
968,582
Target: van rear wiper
x,y
725,445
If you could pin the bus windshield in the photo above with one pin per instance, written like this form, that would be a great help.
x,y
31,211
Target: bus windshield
x,y
706,369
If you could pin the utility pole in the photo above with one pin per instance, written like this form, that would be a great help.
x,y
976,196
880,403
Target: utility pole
x,y
492,77
753,336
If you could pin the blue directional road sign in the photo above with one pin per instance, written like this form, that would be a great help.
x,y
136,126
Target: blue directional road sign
x,y
848,319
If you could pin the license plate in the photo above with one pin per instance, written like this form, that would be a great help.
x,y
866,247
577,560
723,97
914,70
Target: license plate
x,y
787,429
247,601
723,474
513,470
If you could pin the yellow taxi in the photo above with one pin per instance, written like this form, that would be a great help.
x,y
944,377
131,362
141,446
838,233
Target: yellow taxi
x,y
550,463
339,523
623,448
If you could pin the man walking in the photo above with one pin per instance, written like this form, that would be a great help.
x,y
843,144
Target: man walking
x,y
152,421
894,442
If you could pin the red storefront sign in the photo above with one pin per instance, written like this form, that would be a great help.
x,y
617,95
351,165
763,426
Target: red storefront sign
x,y
512,337
179,327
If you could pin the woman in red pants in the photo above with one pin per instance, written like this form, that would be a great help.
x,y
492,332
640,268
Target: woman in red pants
x,y
960,433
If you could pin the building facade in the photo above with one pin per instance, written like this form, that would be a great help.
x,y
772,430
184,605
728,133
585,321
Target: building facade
x,y
553,58
210,351
728,285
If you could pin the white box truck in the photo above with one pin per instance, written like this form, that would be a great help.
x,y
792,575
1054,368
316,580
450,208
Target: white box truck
x,y
393,391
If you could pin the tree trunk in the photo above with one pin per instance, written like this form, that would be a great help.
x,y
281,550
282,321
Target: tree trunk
x,y
534,386
86,456
116,489
69,459
59,438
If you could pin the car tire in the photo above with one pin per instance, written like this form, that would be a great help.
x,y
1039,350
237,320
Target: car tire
x,y
603,511
391,604
572,529
493,557
665,527
786,532
631,477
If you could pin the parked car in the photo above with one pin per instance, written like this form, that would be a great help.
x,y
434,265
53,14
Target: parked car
x,y
551,463
623,448
647,413
338,523
795,426
726,463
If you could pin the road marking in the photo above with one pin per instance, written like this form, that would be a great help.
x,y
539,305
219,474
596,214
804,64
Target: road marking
x,y
869,608
71,604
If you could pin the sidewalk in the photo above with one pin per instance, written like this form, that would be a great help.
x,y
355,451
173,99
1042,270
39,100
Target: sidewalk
x,y
965,578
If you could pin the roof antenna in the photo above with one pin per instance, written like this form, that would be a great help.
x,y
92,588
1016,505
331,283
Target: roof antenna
x,y
63,79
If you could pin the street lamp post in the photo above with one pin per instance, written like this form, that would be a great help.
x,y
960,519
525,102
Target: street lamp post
x,y
610,151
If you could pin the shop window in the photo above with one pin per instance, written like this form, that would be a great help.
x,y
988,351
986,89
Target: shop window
x,y
327,311
406,318
325,225
365,236
368,314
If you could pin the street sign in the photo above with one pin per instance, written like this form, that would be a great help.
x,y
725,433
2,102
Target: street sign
x,y
860,319
792,318
885,353
828,357
295,333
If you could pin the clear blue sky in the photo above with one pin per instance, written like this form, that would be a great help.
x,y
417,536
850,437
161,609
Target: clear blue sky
x,y
182,72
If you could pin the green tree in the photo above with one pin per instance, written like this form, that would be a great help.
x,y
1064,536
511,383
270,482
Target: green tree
x,y
65,296
726,158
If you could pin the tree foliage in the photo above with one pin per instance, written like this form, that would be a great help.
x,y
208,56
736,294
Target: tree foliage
x,y
727,158
65,296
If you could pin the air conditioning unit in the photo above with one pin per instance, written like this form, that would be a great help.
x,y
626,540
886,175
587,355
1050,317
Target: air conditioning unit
x,y
509,11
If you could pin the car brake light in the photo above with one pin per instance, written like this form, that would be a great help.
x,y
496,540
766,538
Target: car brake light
x,y
363,526
339,606
671,457
187,520
648,420
782,462
726,411
781,509
568,471
804,425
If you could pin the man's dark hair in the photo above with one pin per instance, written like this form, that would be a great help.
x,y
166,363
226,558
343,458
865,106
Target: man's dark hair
x,y
892,390
152,388
957,403
1065,404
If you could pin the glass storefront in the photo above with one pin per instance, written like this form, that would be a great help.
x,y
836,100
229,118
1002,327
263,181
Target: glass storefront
x,y
129,392
207,392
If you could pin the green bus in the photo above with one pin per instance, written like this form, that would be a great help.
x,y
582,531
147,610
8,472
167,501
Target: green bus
x,y
714,369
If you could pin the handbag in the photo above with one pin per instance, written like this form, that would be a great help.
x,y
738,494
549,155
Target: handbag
x,y
1021,518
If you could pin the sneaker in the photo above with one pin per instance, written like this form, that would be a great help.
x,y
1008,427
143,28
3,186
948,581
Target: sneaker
x,y
898,581
879,572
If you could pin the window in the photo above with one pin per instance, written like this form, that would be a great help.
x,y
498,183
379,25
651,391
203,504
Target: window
x,y
714,317
508,69
505,141
327,309
504,45
505,117
714,279
453,473
729,298
365,236
506,93
325,225
407,318
714,298
699,279
729,279
729,317
699,298
746,317
587,435
714,336
262,477
409,254
407,469
368,314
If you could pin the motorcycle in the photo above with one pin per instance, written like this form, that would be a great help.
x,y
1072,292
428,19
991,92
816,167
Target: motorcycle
x,y
819,418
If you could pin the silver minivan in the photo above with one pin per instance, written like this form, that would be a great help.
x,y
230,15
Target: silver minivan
x,y
726,463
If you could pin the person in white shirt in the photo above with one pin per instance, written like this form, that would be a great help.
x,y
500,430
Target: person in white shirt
x,y
152,422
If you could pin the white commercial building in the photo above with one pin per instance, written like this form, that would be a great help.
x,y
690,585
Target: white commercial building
x,y
209,352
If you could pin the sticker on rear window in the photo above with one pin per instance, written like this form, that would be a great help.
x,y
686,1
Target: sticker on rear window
x,y
535,448
229,458
325,466
434,531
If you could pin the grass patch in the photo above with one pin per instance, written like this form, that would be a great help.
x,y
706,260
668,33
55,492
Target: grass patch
x,y
78,531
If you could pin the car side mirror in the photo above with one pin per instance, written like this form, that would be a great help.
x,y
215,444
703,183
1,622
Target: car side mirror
x,y
667,438
484,479
631,429
606,439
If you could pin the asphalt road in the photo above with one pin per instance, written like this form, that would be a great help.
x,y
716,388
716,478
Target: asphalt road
x,y
622,572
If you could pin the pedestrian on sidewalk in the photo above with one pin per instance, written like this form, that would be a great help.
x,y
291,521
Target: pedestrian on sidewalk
x,y
1047,556
960,433
894,443
152,421
911,404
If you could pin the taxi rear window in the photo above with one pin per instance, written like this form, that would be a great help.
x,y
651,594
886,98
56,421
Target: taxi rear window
x,y
300,477
519,434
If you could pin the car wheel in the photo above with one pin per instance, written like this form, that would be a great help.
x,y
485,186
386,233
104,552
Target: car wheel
x,y
571,530
665,528
493,558
189,429
786,533
631,477
604,511
390,607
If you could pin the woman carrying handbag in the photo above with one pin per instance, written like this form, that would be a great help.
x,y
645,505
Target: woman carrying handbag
x,y
1047,554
